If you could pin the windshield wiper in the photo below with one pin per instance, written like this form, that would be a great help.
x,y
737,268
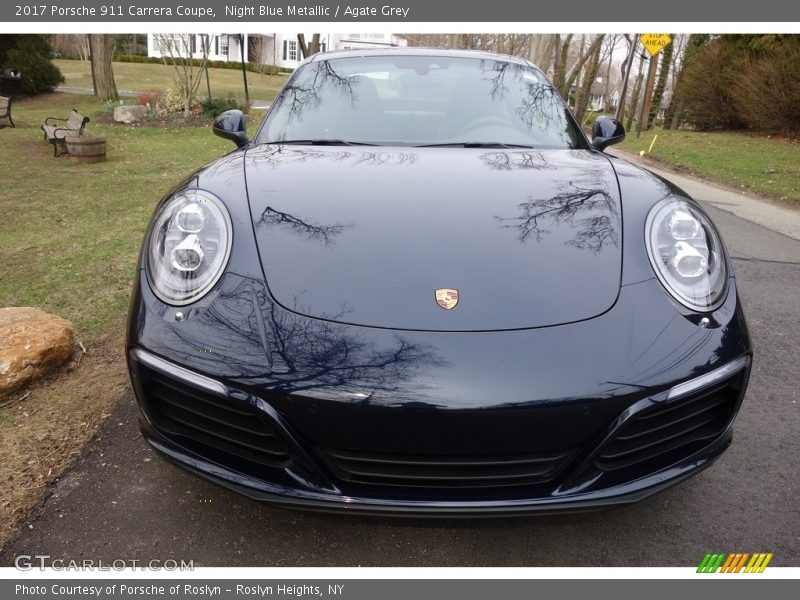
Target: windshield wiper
x,y
474,145
321,142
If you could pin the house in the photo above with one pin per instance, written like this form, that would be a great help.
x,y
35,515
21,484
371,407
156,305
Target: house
x,y
613,99
597,98
280,49
663,107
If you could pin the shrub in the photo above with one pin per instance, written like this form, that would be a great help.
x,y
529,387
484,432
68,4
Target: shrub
x,y
742,81
151,97
706,86
173,101
767,92
215,106
108,107
31,57
214,64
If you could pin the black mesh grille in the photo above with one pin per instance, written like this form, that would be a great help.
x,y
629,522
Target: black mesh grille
x,y
673,430
441,472
212,422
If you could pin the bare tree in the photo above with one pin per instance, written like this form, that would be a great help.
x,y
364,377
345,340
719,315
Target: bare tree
x,y
308,49
102,53
625,73
592,67
671,116
72,45
176,51
561,55
611,43
541,50
568,63
635,96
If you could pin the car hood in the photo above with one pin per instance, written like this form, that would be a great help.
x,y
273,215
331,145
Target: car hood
x,y
366,236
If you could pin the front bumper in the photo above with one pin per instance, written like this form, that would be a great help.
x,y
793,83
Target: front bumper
x,y
604,473
303,499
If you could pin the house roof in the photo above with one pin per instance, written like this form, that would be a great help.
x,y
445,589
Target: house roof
x,y
598,89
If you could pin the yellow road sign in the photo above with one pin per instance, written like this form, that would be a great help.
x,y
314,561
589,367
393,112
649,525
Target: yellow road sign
x,y
655,42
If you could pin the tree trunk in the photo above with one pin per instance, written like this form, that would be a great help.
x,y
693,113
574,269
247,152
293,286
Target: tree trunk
x,y
576,83
541,50
634,104
560,72
308,49
647,99
101,49
626,75
576,68
589,75
607,82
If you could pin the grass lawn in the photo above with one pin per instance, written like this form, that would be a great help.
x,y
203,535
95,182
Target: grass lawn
x,y
140,77
69,240
70,233
757,164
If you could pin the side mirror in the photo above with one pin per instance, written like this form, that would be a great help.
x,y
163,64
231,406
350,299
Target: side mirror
x,y
232,126
606,132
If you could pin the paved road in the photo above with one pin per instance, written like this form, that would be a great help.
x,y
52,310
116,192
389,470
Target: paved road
x,y
121,501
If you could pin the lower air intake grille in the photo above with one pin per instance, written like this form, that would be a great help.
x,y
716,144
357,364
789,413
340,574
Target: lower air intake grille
x,y
673,430
439,472
204,420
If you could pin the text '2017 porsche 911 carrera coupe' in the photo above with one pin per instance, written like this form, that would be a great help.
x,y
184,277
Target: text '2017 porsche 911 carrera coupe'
x,y
420,289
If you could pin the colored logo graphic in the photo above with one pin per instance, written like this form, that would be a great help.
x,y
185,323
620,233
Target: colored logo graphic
x,y
735,562
446,298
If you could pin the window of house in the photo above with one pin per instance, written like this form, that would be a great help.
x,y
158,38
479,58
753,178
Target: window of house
x,y
222,45
169,45
291,49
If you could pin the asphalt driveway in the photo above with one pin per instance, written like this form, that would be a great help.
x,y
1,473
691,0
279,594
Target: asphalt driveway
x,y
122,502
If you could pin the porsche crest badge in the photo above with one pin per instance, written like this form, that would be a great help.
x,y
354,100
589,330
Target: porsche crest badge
x,y
447,298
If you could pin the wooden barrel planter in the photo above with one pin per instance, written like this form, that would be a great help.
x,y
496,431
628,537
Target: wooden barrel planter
x,y
86,148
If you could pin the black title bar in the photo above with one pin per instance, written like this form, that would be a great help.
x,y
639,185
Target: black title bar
x,y
403,11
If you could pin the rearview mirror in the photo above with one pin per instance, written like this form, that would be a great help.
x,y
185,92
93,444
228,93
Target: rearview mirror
x,y
606,132
231,125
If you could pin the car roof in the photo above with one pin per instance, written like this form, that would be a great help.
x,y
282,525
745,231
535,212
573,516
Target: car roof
x,y
417,51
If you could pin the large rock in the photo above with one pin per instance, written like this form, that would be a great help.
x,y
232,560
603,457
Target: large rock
x,y
130,114
32,344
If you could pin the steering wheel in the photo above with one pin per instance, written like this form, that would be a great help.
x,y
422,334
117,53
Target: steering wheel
x,y
483,122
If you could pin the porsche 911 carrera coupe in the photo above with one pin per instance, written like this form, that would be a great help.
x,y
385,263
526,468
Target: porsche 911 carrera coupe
x,y
420,289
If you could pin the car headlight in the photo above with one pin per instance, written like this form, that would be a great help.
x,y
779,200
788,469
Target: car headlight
x,y
189,246
687,255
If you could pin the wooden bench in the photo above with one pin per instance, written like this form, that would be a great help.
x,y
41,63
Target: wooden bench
x,y
56,133
5,109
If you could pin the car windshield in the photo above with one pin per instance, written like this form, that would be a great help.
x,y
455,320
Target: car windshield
x,y
420,100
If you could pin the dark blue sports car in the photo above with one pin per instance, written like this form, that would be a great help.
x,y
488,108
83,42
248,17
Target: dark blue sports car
x,y
421,289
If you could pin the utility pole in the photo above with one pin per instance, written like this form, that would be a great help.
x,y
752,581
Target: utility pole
x,y
244,67
647,100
